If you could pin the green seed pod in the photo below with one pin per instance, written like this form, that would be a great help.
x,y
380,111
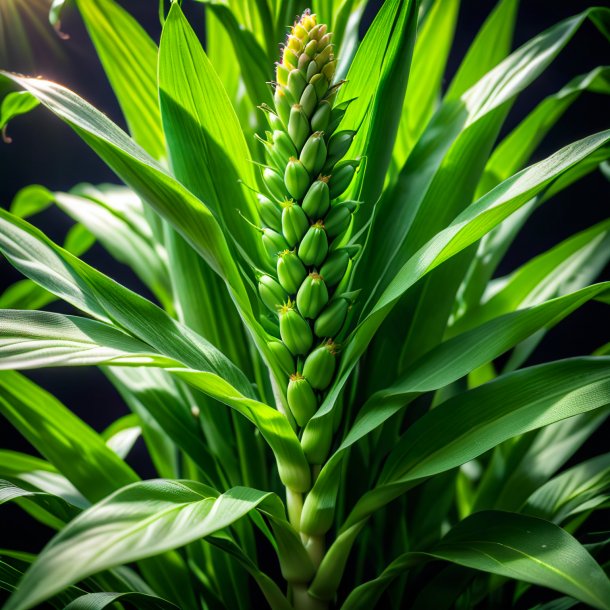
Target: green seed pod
x,y
283,144
282,355
270,212
335,266
324,57
298,126
312,296
296,83
290,58
340,180
332,318
294,222
294,330
281,74
312,70
320,83
311,47
313,154
271,293
309,100
317,31
282,105
290,271
324,41
274,184
338,145
317,199
296,178
273,242
321,117
337,220
319,366
314,247
304,61
329,71
275,122
301,399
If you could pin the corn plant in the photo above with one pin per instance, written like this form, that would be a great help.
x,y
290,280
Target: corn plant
x,y
331,379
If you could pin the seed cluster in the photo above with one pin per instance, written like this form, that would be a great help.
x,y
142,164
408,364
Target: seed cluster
x,y
306,221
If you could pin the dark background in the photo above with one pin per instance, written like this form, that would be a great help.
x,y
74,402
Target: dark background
x,y
46,151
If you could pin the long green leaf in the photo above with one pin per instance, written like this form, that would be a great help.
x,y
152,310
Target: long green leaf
x,y
138,521
510,545
99,601
65,440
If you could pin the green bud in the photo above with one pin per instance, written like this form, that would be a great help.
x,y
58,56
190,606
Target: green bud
x,y
316,444
282,105
301,399
332,318
313,154
271,293
304,61
321,117
335,266
319,366
340,180
289,58
325,56
294,222
314,247
329,71
282,355
283,144
317,199
290,271
296,83
274,184
270,212
275,122
296,178
281,74
312,296
273,242
294,330
298,126
309,100
311,47
324,41
337,220
320,83
317,31
338,145
312,70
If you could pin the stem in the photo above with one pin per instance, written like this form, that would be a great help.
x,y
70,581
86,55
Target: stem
x,y
294,506
301,600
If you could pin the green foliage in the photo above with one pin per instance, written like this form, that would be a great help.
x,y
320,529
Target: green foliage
x,y
333,384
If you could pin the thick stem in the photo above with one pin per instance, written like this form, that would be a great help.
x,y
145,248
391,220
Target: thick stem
x,y
301,600
294,506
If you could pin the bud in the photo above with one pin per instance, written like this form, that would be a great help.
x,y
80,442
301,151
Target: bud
x,y
283,144
324,41
314,247
309,100
270,212
301,399
338,145
335,266
296,83
313,154
324,56
289,58
294,330
320,83
282,105
274,184
294,222
298,126
295,43
310,48
290,271
321,117
340,180
329,72
317,199
332,318
281,74
296,178
312,70
337,220
319,366
312,296
271,293
282,355
273,242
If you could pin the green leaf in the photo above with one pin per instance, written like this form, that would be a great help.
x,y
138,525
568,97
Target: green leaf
x,y
65,440
99,601
129,57
510,545
14,104
31,200
207,149
138,521
443,365
581,488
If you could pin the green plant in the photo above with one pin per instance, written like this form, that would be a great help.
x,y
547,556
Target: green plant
x,y
318,385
